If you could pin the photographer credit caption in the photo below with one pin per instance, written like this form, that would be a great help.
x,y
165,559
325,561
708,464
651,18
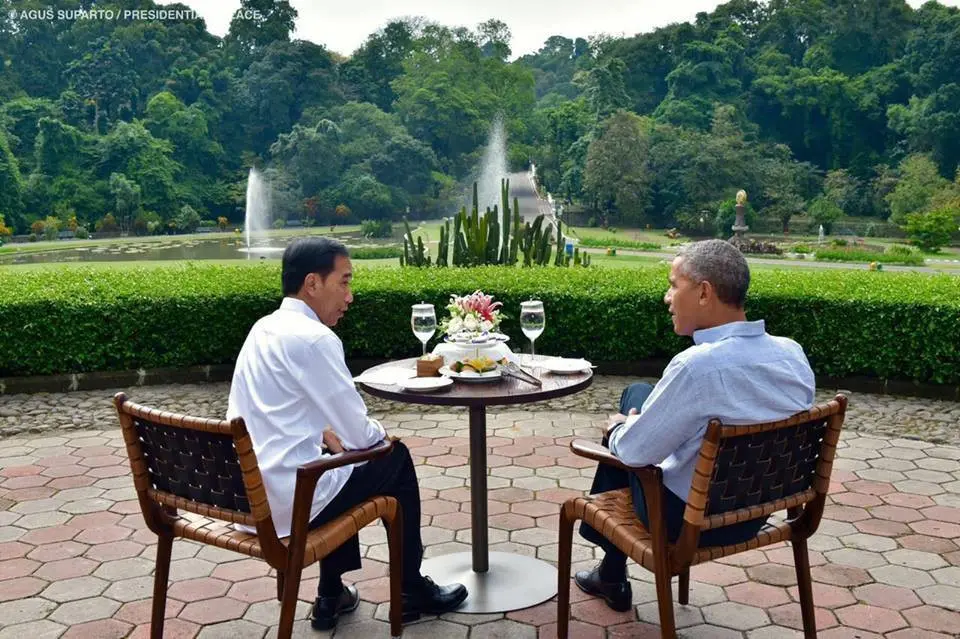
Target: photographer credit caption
x,y
50,14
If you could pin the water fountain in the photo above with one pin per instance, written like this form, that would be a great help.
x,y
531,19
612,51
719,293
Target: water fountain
x,y
256,215
493,166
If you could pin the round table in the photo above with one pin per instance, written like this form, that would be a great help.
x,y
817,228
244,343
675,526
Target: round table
x,y
498,581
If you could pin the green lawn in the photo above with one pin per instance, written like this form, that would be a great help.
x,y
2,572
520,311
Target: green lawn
x,y
430,232
63,245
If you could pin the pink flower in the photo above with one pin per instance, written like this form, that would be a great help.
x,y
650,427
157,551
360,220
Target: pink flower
x,y
481,304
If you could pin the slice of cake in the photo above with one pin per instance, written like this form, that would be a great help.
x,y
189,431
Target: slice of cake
x,y
429,365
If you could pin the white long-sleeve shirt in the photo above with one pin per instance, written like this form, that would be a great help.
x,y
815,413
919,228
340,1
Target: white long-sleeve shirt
x,y
290,382
735,372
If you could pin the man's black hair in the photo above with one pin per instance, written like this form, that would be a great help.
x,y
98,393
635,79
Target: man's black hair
x,y
308,255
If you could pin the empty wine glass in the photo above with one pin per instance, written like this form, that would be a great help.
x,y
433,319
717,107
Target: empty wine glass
x,y
532,321
423,319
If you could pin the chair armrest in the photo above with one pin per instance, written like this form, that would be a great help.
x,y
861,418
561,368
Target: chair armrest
x,y
313,470
596,452
307,477
602,454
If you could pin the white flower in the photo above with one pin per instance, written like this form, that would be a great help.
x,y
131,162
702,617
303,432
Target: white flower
x,y
486,326
455,326
470,323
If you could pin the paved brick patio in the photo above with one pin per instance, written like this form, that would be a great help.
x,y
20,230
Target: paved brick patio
x,y
76,559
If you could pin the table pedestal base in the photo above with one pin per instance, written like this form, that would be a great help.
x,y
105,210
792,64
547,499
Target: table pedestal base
x,y
513,582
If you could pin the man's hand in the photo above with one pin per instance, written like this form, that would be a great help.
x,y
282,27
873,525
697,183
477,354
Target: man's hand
x,y
331,441
617,419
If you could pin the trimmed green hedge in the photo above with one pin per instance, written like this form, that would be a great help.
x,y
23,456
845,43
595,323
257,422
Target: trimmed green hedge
x,y
887,325
616,242
841,254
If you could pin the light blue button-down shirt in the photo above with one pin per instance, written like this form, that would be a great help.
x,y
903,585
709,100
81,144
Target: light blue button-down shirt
x,y
735,372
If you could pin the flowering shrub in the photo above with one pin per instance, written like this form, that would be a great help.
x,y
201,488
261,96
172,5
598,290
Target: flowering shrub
x,y
476,313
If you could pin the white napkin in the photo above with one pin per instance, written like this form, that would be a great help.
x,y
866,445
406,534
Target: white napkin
x,y
385,376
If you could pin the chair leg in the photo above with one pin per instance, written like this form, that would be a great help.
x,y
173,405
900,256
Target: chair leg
x,y
395,545
683,590
567,520
805,587
279,585
160,577
668,627
288,603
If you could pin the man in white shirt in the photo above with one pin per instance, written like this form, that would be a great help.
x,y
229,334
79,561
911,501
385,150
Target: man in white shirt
x,y
292,387
734,371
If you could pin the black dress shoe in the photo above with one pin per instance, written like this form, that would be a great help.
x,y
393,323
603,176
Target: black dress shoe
x,y
326,610
617,594
427,598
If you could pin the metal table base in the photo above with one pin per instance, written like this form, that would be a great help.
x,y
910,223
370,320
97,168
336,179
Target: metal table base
x,y
496,581
513,582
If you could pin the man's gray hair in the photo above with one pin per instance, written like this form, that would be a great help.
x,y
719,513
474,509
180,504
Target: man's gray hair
x,y
720,263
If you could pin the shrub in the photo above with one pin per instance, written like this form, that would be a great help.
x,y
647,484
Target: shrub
x,y
222,223
208,224
82,233
376,228
37,228
931,231
107,224
898,325
51,228
279,223
187,220
593,242
825,211
801,249
146,223
375,252
756,247
896,249
860,255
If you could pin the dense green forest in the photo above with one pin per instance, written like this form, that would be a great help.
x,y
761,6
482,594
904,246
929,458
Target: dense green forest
x,y
818,107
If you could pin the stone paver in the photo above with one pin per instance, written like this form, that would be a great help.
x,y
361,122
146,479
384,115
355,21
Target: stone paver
x,y
77,560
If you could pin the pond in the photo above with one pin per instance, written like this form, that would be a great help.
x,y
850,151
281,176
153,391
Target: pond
x,y
173,248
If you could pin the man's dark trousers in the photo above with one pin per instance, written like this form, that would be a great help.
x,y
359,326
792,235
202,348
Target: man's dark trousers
x,y
611,478
392,475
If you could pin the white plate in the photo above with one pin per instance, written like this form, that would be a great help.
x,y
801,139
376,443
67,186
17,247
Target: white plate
x,y
565,366
471,376
425,384
385,376
489,338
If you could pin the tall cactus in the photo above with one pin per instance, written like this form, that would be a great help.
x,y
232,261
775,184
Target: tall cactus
x,y
444,247
505,239
414,253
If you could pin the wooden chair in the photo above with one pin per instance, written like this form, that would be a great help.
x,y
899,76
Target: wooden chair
x,y
743,473
208,467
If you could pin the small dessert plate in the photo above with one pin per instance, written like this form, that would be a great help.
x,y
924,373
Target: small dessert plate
x,y
425,384
565,366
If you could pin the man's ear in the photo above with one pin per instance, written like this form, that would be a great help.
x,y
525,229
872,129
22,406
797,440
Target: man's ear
x,y
706,292
309,282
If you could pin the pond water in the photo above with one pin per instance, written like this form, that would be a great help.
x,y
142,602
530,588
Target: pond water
x,y
222,248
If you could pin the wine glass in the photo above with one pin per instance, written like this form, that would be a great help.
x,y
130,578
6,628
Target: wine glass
x,y
423,319
532,321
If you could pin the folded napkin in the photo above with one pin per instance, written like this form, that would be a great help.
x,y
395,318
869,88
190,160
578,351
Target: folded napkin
x,y
385,376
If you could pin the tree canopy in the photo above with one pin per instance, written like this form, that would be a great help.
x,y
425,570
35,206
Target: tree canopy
x,y
812,106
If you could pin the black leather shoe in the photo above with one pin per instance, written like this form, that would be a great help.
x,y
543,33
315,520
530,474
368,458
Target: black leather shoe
x,y
430,599
326,610
617,594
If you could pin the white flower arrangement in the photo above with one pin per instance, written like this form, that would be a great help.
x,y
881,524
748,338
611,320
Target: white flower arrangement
x,y
471,315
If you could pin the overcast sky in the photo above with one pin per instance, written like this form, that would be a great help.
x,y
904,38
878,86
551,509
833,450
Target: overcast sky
x,y
342,26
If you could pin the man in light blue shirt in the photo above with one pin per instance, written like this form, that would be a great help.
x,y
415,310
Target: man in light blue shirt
x,y
735,372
